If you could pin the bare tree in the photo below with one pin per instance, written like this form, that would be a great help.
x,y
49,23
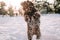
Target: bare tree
x,y
10,11
56,6
2,10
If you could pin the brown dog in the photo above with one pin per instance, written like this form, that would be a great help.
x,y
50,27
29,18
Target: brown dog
x,y
32,17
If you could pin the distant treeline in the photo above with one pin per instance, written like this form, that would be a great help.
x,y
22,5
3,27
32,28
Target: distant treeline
x,y
9,11
39,5
48,6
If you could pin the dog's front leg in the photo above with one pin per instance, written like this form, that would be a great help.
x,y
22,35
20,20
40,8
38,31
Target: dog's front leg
x,y
29,32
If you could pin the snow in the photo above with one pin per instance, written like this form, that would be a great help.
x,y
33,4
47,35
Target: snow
x,y
15,28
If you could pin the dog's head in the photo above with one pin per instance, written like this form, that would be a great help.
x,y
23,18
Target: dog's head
x,y
28,7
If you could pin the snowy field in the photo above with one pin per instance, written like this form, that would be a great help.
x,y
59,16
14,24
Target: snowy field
x,y
14,28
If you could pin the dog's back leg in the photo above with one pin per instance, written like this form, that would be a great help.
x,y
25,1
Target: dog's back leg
x,y
29,36
38,34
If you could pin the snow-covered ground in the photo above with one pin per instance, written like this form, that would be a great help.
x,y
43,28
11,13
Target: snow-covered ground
x,y
14,28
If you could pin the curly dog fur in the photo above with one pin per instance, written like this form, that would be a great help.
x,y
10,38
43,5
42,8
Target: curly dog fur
x,y
32,17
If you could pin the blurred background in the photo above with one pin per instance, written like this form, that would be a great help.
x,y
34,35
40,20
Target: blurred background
x,y
13,7
13,25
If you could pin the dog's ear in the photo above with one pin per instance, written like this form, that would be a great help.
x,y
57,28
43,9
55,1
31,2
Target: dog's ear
x,y
30,3
24,5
